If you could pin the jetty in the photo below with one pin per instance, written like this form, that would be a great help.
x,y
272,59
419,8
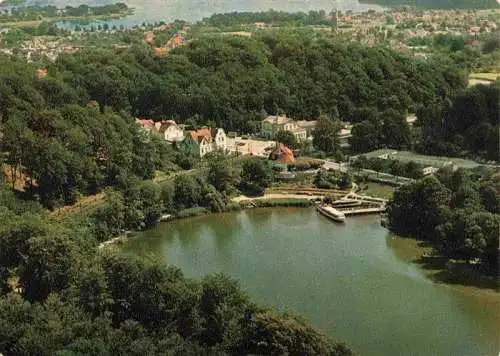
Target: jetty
x,y
353,204
363,211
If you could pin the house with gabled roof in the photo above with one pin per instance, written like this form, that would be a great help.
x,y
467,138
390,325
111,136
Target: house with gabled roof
x,y
205,140
170,131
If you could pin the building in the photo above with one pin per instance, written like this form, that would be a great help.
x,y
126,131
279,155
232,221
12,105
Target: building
x,y
220,139
147,125
273,124
171,131
309,126
282,154
429,170
205,140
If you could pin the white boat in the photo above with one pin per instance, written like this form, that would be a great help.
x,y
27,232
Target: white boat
x,y
332,213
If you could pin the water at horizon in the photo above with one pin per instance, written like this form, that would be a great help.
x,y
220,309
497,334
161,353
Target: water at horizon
x,y
194,10
347,279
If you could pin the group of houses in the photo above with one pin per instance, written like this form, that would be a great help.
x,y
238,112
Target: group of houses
x,y
204,140
198,142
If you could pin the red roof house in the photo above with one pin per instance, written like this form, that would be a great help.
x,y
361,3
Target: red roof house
x,y
283,154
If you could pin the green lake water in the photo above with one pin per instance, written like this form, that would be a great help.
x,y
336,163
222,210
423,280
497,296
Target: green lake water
x,y
347,279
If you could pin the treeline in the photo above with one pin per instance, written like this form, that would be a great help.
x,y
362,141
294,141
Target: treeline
x,y
465,126
271,17
436,4
85,10
456,211
391,166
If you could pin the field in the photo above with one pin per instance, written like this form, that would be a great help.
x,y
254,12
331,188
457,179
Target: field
x,y
485,76
435,161
377,190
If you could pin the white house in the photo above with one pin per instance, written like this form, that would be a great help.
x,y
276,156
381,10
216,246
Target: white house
x,y
171,131
273,124
220,139
205,145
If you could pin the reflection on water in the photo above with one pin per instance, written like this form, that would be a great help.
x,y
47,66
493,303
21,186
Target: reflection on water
x,y
349,279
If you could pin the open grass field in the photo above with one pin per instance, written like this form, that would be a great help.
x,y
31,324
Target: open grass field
x,y
426,160
485,76
377,190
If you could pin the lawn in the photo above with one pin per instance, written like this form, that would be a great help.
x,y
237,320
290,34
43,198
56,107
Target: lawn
x,y
377,190
485,76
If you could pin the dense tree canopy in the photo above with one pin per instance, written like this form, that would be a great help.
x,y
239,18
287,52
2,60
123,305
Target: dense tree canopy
x,y
467,125
457,211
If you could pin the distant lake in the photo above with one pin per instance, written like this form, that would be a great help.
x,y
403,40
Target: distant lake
x,y
194,10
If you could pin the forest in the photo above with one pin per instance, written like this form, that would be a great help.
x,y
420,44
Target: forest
x,y
301,74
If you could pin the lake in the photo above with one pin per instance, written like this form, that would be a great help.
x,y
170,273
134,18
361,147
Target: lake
x,y
194,10
347,279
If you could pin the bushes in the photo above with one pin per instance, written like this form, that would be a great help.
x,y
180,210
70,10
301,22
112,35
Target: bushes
x,y
305,163
332,180
397,168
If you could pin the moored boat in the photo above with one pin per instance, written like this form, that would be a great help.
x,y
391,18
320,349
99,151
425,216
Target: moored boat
x,y
332,213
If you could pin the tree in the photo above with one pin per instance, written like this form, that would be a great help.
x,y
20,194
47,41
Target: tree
x,y
269,333
395,130
326,135
15,235
220,173
109,218
490,197
255,176
48,265
364,137
187,192
221,303
287,138
416,208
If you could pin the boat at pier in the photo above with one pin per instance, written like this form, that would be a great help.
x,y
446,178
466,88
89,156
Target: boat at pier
x,y
332,213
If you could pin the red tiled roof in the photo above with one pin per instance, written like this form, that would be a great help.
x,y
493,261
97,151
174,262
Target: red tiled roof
x,y
41,72
283,154
146,124
200,133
